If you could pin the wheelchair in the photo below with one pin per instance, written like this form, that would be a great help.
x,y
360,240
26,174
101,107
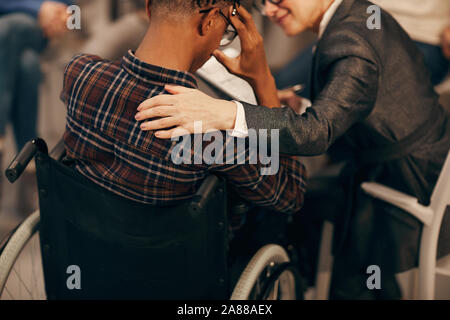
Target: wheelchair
x,y
121,249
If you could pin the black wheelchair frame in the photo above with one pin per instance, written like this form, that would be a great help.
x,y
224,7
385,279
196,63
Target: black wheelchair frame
x,y
128,250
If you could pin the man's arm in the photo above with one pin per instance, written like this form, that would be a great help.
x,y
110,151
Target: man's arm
x,y
282,191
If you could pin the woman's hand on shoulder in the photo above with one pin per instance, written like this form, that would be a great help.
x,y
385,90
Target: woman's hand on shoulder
x,y
184,111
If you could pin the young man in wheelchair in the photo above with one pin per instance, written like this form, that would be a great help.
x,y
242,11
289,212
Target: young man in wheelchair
x,y
106,141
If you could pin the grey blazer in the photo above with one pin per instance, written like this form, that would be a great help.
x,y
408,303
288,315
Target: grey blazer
x,y
370,89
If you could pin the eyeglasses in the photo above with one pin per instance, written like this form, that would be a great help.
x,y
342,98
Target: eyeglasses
x,y
230,33
261,5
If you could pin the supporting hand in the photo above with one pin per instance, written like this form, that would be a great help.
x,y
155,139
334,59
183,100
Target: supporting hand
x,y
180,109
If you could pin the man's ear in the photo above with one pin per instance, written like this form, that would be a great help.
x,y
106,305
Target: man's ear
x,y
208,22
148,4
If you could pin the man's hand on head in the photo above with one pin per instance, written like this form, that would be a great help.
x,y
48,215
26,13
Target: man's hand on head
x,y
52,18
446,42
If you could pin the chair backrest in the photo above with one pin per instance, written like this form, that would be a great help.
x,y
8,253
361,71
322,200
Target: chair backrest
x,y
128,250
440,198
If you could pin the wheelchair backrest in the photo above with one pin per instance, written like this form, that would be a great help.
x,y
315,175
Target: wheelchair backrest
x,y
98,245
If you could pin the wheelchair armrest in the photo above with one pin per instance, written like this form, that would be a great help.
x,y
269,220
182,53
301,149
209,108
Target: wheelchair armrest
x,y
21,161
400,200
204,193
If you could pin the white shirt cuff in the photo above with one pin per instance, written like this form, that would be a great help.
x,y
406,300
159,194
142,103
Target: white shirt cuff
x,y
240,127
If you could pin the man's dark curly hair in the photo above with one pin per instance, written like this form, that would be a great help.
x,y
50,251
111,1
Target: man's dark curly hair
x,y
188,7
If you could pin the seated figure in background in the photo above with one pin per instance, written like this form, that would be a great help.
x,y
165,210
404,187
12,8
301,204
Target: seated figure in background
x,y
25,28
112,41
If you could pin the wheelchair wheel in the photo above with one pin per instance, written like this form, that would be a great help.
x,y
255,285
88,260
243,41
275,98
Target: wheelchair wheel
x,y
21,275
268,276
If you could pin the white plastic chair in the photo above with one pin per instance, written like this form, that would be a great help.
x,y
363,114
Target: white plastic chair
x,y
431,216
325,263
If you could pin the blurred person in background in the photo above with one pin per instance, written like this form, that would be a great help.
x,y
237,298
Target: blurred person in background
x,y
114,40
25,28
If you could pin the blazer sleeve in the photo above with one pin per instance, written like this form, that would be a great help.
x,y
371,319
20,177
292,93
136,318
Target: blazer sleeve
x,y
350,73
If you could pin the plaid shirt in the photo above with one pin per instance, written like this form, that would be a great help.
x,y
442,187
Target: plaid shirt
x,y
108,146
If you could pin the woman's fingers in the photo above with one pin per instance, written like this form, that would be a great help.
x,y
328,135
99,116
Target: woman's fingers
x,y
162,99
159,111
187,107
160,124
172,133
177,89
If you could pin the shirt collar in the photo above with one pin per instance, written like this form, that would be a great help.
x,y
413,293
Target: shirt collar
x,y
152,73
328,16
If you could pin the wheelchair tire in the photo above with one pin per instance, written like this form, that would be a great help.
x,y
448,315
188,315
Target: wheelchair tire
x,y
15,245
281,281
269,255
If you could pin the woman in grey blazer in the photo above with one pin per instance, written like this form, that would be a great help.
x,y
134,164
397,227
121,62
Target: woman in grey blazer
x,y
371,94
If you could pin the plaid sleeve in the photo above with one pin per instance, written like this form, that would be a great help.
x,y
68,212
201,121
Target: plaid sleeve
x,y
282,191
